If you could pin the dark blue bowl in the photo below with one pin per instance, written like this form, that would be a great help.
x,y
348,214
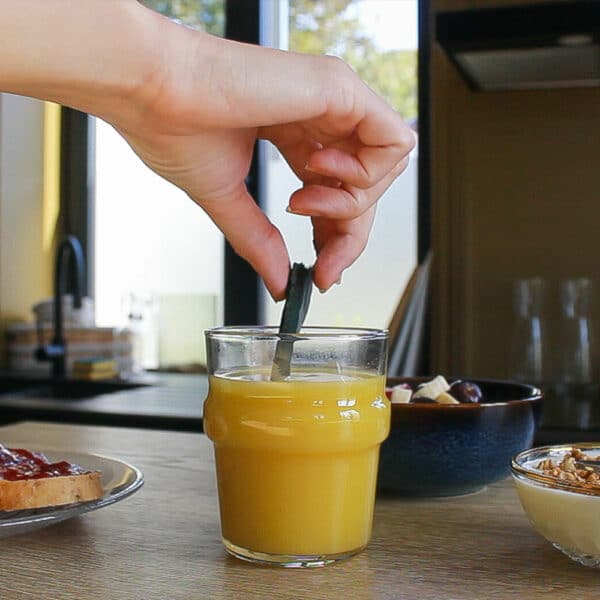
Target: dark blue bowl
x,y
452,449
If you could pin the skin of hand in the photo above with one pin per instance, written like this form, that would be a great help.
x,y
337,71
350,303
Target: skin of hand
x,y
192,105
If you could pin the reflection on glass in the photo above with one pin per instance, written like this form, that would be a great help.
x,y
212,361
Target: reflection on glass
x,y
350,415
268,429
378,403
347,402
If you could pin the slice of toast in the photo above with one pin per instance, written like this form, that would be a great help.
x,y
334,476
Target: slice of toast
x,y
29,480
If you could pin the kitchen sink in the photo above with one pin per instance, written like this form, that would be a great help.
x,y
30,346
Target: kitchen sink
x,y
67,389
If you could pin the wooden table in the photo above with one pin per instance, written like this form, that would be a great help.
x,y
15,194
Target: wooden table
x,y
163,542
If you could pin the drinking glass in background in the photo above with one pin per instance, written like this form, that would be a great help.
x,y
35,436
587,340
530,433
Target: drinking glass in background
x,y
141,317
575,385
576,340
297,458
528,349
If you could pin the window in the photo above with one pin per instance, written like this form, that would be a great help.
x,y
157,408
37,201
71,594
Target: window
x,y
379,39
158,261
159,265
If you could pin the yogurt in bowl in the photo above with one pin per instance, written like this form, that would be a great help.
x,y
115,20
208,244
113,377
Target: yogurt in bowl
x,y
561,497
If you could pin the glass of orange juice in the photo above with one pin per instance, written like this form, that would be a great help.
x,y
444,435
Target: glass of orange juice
x,y
296,456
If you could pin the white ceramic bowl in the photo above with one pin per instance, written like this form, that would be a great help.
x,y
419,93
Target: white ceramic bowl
x,y
567,514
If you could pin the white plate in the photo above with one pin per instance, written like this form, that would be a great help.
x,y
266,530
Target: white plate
x,y
119,480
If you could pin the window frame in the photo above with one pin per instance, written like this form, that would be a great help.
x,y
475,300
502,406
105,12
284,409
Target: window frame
x,y
424,113
77,185
242,291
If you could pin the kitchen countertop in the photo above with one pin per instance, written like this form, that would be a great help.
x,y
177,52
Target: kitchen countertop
x,y
163,542
173,401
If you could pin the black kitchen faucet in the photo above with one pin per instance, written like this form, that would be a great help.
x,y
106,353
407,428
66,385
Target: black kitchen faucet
x,y
56,351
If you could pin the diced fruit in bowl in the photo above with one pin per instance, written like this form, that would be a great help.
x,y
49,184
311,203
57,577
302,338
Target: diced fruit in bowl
x,y
466,391
399,394
451,436
437,390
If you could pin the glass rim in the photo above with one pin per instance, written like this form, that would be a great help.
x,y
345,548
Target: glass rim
x,y
310,332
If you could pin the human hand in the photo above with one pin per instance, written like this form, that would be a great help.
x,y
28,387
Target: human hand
x,y
210,99
192,105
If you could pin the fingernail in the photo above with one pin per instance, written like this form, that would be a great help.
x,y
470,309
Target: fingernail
x,y
307,168
295,211
339,281
322,290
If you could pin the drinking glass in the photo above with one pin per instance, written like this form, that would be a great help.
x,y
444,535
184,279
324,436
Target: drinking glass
x,y
296,458
576,365
528,343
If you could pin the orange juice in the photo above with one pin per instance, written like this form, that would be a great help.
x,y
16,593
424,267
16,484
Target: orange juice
x,y
296,459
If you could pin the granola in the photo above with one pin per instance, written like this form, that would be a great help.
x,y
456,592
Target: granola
x,y
568,468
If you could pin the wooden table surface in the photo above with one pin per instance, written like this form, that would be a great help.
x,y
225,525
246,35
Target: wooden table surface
x,y
163,542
